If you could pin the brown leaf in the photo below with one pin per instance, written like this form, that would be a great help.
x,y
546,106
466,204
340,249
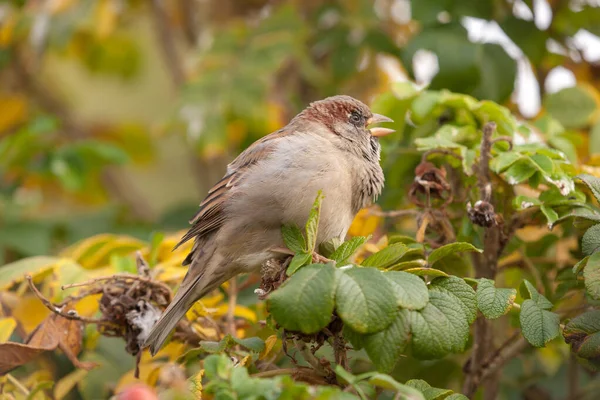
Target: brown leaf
x,y
55,331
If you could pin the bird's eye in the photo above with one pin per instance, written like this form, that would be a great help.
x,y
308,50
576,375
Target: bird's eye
x,y
355,118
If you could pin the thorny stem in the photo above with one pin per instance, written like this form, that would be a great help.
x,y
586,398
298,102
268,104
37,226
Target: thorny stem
x,y
310,358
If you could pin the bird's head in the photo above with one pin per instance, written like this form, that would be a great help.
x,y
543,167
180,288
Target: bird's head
x,y
348,119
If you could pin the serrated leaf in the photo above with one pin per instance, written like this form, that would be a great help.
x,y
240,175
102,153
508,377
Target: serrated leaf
x,y
591,276
494,302
538,325
429,392
411,292
461,291
385,347
364,300
293,238
591,240
441,327
449,249
312,224
592,183
255,344
528,291
305,302
583,334
386,257
347,249
328,247
299,260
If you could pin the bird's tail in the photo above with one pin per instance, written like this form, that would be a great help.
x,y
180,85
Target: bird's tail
x,y
185,297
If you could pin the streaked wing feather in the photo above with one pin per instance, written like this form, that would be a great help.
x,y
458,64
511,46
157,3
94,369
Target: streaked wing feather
x,y
210,216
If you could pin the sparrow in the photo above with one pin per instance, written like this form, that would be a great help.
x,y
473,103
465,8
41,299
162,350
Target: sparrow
x,y
327,147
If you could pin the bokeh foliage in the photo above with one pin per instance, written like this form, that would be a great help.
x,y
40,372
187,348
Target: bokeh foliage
x,y
116,116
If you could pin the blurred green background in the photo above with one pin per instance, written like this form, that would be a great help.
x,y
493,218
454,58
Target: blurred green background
x,y
117,116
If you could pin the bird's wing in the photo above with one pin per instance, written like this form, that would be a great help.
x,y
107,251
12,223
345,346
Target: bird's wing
x,y
210,216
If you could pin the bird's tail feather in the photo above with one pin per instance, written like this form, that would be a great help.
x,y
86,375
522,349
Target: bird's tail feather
x,y
175,311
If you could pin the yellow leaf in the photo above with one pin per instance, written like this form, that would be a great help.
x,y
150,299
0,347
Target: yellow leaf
x,y
364,223
236,132
238,311
14,111
68,382
30,312
269,344
244,362
106,17
35,266
148,374
95,252
197,310
212,301
196,385
88,306
275,113
172,351
7,326
7,29
171,272
206,332
65,272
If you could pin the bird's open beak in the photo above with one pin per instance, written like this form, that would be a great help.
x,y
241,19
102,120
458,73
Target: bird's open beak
x,y
378,131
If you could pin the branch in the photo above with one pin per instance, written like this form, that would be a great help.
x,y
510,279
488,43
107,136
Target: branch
x,y
167,42
506,352
231,307
71,314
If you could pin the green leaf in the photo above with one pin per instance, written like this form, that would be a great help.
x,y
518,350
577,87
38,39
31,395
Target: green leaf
x,y
583,334
252,343
520,171
431,272
489,111
429,392
592,183
527,36
328,247
538,325
387,382
493,302
441,327
543,163
356,339
461,291
503,161
305,301
385,347
550,214
347,249
16,271
528,291
364,300
386,257
590,242
298,261
212,346
449,249
595,140
293,238
577,268
591,276
573,107
312,224
411,291
498,72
